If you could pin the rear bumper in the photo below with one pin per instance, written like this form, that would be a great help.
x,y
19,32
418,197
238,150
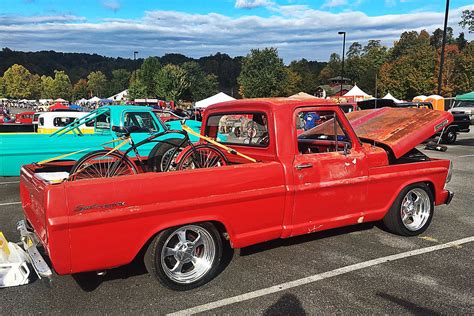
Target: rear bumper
x,y
30,244
447,196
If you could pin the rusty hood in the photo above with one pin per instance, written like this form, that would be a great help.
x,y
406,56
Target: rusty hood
x,y
400,129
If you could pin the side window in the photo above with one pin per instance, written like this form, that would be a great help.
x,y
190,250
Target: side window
x,y
102,122
320,132
143,120
63,121
250,129
41,121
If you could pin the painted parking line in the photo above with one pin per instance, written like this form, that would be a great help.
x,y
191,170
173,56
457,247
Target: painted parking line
x,y
9,203
10,182
318,277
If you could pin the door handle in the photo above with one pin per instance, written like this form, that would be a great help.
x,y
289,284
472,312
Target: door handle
x,y
304,166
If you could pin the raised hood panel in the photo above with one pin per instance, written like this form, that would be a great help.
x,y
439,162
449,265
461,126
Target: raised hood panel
x,y
401,129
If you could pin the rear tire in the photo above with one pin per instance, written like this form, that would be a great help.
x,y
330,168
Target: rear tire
x,y
186,257
160,155
411,212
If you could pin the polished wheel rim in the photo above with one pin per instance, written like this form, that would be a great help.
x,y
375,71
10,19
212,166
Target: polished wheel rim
x,y
415,209
188,254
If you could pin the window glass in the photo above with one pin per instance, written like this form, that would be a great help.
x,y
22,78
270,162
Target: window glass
x,y
250,129
143,120
102,121
41,121
63,121
320,132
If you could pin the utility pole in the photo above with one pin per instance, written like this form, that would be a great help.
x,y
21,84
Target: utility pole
x,y
343,53
441,62
135,55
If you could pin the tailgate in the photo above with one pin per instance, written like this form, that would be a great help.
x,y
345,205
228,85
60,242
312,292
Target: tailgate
x,y
33,196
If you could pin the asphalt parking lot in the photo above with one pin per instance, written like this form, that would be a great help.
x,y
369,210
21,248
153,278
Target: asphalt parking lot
x,y
295,276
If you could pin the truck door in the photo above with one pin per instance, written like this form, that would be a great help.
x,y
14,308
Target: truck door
x,y
330,172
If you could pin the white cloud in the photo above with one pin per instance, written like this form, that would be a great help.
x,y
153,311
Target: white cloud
x,y
333,3
296,30
251,4
113,5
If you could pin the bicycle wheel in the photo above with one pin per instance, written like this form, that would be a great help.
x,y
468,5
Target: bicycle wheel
x,y
203,156
99,164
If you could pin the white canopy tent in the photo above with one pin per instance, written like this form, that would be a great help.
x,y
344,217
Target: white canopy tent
x,y
356,92
93,100
119,96
302,95
389,96
60,100
217,98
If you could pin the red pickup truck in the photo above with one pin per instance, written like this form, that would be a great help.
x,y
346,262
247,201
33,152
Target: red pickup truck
x,y
344,171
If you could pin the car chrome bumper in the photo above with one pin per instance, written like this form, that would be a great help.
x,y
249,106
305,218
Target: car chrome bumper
x,y
30,244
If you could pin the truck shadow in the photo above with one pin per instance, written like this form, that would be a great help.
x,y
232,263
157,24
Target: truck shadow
x,y
411,307
90,281
305,238
465,142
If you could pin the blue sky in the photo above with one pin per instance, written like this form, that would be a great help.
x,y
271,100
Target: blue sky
x,y
298,28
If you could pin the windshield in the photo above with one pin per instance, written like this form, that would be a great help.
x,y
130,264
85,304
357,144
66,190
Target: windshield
x,y
463,104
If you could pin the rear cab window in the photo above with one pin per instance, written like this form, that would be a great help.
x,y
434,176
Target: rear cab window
x,y
244,129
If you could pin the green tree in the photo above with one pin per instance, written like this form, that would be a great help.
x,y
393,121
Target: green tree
x,y
2,88
411,73
307,72
354,50
263,74
119,81
47,87
436,39
171,82
464,74
467,20
148,73
200,85
136,89
35,87
461,41
97,83
17,82
332,69
61,85
293,83
79,90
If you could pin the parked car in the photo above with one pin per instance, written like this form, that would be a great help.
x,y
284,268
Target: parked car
x,y
345,171
24,118
17,149
464,104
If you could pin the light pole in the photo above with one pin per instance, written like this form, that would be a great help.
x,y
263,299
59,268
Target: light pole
x,y
343,53
441,62
135,55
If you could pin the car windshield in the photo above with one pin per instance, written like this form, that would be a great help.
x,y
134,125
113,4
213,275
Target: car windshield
x,y
463,104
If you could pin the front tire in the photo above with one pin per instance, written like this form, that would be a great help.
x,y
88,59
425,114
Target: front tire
x,y
411,212
186,257
449,137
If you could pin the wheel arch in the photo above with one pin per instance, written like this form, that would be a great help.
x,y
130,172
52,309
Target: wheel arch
x,y
223,229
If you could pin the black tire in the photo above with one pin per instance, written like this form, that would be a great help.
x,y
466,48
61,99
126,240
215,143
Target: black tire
x,y
449,136
203,156
156,162
393,219
122,166
158,267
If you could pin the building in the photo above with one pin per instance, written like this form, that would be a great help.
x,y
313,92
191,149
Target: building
x,y
333,87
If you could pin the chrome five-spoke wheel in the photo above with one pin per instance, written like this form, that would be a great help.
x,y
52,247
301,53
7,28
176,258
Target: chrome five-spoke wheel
x,y
415,209
185,257
412,211
188,254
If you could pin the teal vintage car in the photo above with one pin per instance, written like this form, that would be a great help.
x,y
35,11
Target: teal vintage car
x,y
17,149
